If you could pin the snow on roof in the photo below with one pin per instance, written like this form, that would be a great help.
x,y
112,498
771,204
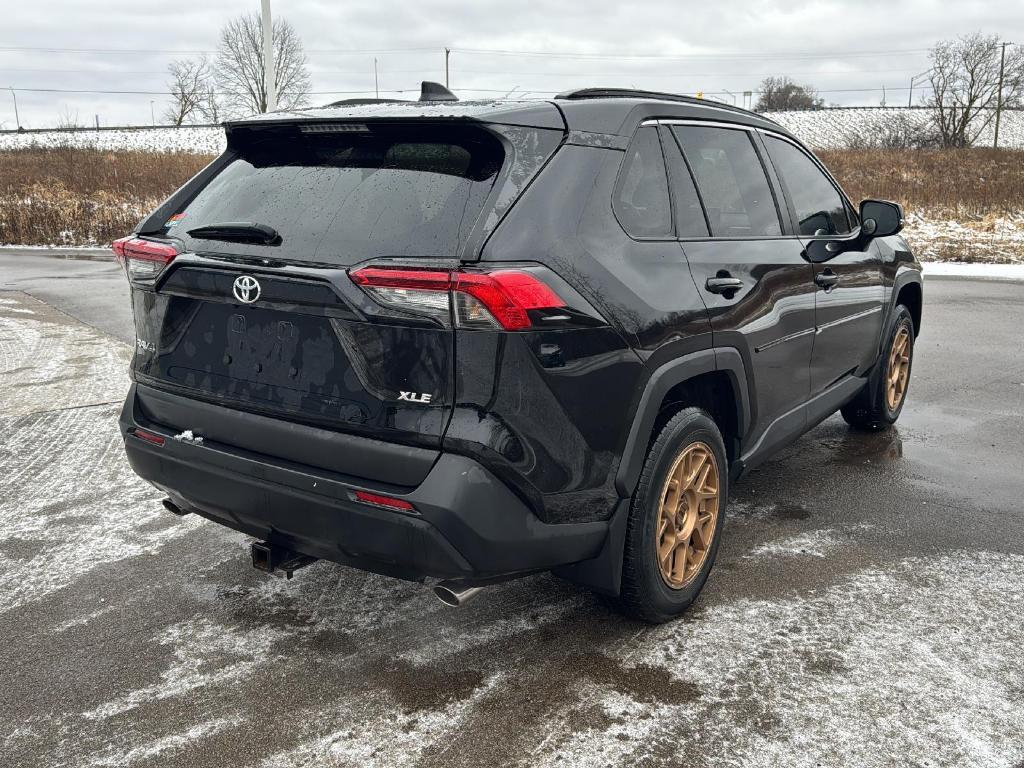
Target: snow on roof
x,y
497,111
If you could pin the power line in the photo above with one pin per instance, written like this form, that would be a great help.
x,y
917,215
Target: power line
x,y
167,93
113,51
509,73
502,52
196,51
512,73
385,90
681,56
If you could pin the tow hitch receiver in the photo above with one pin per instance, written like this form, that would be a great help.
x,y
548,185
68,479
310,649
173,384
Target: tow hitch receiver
x,y
268,557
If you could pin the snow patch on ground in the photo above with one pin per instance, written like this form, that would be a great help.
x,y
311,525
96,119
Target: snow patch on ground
x,y
834,128
985,271
377,734
205,654
810,544
70,501
821,128
164,746
194,139
49,361
890,667
71,504
990,239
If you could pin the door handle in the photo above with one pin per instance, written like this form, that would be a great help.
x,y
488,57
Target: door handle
x,y
723,284
826,279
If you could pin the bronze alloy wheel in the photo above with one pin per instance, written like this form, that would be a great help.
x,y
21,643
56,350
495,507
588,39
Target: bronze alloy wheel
x,y
899,369
687,515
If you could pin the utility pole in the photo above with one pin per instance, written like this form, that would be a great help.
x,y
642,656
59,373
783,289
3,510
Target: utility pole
x,y
999,97
376,86
17,120
447,55
269,75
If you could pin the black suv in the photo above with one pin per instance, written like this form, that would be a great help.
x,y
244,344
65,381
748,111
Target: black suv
x,y
469,341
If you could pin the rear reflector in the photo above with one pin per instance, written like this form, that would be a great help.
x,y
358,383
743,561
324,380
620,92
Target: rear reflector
x,y
499,299
383,501
143,259
149,437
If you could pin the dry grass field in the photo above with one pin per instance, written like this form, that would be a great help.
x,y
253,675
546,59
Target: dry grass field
x,y
75,196
951,183
964,205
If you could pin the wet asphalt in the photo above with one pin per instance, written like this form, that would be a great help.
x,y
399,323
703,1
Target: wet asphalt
x,y
867,607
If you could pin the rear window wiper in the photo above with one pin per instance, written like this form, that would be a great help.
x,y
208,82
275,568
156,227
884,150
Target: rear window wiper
x,y
238,232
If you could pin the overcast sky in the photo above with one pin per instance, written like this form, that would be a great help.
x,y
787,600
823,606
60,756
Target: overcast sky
x,y
720,45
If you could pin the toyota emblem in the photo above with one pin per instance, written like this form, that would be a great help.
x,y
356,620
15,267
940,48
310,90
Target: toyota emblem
x,y
246,289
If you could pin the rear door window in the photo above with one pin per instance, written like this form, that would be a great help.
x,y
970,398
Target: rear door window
x,y
820,209
641,201
346,196
732,182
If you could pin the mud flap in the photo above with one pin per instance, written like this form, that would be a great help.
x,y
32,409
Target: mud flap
x,y
602,573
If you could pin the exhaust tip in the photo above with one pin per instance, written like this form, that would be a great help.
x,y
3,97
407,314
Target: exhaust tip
x,y
173,508
454,594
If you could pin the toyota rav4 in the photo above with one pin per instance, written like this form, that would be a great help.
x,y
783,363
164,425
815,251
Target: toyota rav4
x,y
462,342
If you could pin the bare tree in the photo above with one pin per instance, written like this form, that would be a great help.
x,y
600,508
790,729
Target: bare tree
x,y
778,94
68,120
209,105
240,73
190,80
965,85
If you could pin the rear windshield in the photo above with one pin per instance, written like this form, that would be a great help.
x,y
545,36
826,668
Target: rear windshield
x,y
343,197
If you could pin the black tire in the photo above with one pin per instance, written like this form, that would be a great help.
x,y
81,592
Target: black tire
x,y
645,592
870,409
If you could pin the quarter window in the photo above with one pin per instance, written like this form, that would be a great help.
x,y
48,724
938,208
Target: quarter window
x,y
820,209
641,201
737,197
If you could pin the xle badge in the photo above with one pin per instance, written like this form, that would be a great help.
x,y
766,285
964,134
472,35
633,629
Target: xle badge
x,y
414,397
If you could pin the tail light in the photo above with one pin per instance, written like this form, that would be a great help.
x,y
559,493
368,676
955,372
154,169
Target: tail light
x,y
143,259
498,299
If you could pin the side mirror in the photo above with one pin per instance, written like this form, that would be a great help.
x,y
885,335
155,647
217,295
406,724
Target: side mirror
x,y
880,218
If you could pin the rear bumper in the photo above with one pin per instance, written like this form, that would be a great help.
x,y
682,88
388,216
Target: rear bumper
x,y
468,524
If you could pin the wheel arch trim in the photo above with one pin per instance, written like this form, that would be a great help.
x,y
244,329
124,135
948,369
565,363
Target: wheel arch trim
x,y
664,378
903,279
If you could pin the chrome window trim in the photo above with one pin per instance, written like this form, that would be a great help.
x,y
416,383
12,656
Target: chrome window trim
x,y
821,167
669,237
738,127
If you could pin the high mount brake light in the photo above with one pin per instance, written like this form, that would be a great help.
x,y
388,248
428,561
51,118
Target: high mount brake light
x,y
143,259
498,299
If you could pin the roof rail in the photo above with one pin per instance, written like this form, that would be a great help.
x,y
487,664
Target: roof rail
x,y
630,93
361,102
